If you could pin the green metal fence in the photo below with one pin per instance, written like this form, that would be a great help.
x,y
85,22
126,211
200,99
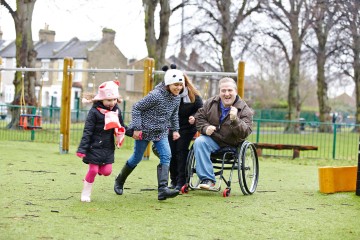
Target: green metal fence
x,y
338,143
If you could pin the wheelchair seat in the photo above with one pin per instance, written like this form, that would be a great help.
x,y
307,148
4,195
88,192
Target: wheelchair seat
x,y
220,152
242,159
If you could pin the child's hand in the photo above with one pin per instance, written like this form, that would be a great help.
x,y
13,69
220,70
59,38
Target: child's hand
x,y
80,155
137,135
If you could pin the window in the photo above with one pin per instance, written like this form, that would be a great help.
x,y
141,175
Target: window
x,y
78,75
61,66
13,63
130,82
45,63
9,93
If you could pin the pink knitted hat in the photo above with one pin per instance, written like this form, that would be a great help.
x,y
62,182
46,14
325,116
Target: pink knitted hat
x,y
108,90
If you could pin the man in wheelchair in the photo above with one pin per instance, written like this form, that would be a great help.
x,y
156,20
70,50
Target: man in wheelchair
x,y
224,120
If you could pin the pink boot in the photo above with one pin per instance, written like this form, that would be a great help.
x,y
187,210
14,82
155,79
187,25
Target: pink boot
x,y
86,192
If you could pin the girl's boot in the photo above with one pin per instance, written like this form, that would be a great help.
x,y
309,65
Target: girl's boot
x,y
86,192
163,190
120,180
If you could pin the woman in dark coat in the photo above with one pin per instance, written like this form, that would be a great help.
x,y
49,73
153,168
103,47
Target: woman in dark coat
x,y
190,102
103,125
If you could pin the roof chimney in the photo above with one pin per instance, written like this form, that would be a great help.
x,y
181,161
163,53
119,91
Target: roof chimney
x,y
108,34
194,57
46,35
182,54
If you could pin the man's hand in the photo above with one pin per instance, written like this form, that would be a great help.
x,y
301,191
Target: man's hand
x,y
210,129
233,113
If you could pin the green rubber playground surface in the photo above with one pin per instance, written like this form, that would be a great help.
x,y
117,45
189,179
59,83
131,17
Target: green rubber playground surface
x,y
40,199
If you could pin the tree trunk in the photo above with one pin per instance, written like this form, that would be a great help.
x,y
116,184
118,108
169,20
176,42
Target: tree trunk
x,y
322,88
294,95
226,53
357,88
162,42
227,35
150,38
157,47
25,56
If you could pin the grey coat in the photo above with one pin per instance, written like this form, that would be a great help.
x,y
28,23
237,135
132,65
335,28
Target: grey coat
x,y
155,114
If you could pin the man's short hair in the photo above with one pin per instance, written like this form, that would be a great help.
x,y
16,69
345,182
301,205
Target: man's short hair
x,y
228,80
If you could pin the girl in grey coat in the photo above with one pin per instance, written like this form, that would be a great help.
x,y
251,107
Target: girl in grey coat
x,y
151,117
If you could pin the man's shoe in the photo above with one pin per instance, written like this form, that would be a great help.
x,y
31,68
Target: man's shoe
x,y
207,184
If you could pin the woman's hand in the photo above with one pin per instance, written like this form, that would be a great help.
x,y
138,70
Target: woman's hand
x,y
191,120
176,136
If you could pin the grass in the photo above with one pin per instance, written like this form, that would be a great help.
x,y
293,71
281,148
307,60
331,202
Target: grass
x,y
40,191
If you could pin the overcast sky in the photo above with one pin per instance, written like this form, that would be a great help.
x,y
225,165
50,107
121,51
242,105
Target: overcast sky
x,y
85,20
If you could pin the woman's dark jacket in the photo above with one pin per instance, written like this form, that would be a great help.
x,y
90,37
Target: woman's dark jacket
x,y
96,143
186,110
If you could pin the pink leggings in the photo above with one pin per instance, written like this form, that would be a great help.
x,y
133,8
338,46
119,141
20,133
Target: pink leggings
x,y
96,169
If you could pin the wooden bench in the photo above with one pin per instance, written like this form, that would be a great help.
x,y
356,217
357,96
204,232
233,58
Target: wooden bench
x,y
296,148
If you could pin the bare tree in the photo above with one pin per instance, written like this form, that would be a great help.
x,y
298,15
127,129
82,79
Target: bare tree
x,y
326,16
157,46
351,63
292,20
271,79
25,54
223,18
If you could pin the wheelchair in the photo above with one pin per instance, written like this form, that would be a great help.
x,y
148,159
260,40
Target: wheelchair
x,y
242,159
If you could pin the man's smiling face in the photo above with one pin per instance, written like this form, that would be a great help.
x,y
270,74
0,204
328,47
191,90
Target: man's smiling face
x,y
227,93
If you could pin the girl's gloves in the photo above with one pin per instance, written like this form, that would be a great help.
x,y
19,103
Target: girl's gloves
x,y
80,155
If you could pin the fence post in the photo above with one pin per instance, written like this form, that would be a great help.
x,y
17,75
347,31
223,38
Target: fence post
x,y
241,79
148,86
334,141
65,114
0,76
258,130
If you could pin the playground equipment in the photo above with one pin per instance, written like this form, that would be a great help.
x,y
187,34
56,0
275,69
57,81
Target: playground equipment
x,y
65,113
33,120
340,179
30,121
337,179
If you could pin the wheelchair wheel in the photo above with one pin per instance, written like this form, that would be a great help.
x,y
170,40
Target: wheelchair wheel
x,y
249,168
192,179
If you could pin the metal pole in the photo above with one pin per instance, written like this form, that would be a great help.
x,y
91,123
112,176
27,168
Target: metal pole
x,y
148,82
65,117
334,141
